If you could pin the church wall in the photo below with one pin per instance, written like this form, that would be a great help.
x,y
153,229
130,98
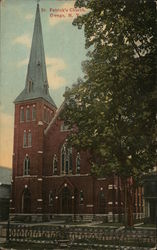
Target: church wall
x,y
34,152
53,142
75,184
20,185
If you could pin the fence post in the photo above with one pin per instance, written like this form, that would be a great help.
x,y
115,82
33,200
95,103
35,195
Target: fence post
x,y
156,232
7,235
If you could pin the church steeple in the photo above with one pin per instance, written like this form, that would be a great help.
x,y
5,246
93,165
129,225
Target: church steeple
x,y
36,80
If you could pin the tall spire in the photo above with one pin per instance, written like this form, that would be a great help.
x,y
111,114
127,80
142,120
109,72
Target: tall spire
x,y
36,80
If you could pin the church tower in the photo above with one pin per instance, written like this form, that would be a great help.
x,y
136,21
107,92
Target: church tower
x,y
34,108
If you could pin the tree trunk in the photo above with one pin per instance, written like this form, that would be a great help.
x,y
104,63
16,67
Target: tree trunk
x,y
128,203
125,203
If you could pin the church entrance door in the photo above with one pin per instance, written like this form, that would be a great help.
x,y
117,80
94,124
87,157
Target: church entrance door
x,y
66,201
26,201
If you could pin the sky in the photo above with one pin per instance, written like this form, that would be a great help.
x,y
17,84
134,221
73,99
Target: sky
x,y
64,46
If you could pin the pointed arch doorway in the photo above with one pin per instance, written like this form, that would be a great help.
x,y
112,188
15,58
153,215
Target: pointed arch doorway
x,y
26,201
66,201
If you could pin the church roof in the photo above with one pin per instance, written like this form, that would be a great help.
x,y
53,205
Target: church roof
x,y
36,80
58,112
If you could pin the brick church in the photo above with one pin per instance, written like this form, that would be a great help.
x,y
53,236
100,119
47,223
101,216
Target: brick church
x,y
50,178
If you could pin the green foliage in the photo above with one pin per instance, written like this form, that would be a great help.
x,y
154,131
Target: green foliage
x,y
113,109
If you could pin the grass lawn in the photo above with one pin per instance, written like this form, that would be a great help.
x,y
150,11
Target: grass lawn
x,y
147,225
25,246
112,224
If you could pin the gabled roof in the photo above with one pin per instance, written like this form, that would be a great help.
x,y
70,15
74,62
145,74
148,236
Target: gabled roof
x,y
36,80
59,110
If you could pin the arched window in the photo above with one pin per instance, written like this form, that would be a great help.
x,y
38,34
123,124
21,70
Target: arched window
x,y
47,115
29,139
70,159
138,201
22,114
26,201
63,158
142,203
81,197
50,198
55,163
28,114
33,113
26,166
44,114
78,161
24,139
66,159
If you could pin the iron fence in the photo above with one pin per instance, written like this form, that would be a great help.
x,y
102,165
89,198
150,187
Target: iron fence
x,y
77,236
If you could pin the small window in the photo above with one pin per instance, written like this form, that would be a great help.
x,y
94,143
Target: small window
x,y
24,139
55,164
29,139
22,114
30,86
33,113
38,63
78,160
28,114
26,165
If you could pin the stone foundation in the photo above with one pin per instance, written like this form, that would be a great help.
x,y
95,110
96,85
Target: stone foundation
x,y
66,218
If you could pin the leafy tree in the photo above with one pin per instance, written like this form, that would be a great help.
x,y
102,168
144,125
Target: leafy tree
x,y
112,109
